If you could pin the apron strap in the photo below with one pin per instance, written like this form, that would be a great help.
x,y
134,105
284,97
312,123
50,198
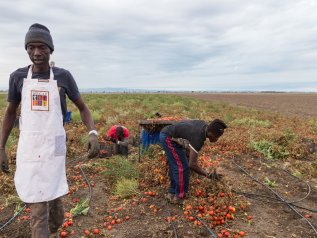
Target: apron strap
x,y
29,76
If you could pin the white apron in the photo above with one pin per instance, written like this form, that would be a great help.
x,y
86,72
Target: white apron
x,y
40,165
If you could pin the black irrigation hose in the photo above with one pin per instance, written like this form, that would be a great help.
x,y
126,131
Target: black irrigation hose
x,y
89,186
207,227
82,159
78,159
264,198
277,200
277,195
268,197
173,224
307,184
12,218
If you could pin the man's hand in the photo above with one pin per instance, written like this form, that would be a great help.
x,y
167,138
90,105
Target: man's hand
x,y
4,166
214,176
93,146
183,142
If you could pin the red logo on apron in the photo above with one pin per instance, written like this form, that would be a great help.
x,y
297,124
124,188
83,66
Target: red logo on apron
x,y
40,100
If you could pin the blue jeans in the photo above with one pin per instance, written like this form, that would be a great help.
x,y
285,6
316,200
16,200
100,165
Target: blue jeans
x,y
178,166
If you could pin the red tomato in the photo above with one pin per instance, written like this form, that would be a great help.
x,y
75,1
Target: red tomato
x,y
189,207
63,234
96,231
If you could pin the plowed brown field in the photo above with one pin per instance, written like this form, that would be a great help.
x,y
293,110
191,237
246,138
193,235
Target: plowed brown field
x,y
294,104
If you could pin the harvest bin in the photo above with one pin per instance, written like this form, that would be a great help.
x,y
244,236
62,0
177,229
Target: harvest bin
x,y
151,131
106,150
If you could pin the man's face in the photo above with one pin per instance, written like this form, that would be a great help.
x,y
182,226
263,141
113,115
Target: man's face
x,y
39,53
212,137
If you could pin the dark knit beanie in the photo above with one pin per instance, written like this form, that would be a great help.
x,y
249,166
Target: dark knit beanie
x,y
217,127
39,33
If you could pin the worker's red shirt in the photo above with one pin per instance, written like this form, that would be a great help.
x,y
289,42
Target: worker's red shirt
x,y
112,132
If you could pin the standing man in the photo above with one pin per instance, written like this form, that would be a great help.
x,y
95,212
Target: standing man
x,y
119,135
40,177
189,134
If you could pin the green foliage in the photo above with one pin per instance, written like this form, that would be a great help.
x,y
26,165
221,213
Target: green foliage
x,y
269,149
84,139
313,125
96,115
297,174
270,183
82,207
18,208
152,151
3,101
111,120
251,122
119,167
13,199
125,188
286,139
76,117
13,138
152,115
228,117
121,108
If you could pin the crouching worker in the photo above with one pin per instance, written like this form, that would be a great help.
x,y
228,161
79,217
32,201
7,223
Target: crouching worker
x,y
174,139
119,135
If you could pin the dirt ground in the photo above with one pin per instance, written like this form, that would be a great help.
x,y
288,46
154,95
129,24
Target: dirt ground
x,y
287,211
295,104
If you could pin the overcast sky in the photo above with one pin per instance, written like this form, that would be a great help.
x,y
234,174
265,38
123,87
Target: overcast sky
x,y
170,44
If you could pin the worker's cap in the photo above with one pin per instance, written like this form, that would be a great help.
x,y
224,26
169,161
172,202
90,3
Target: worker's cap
x,y
39,33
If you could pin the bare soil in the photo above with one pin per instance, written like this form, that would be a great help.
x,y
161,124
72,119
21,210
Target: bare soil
x,y
294,104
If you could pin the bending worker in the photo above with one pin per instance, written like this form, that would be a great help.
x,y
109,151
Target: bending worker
x,y
40,176
119,135
192,134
